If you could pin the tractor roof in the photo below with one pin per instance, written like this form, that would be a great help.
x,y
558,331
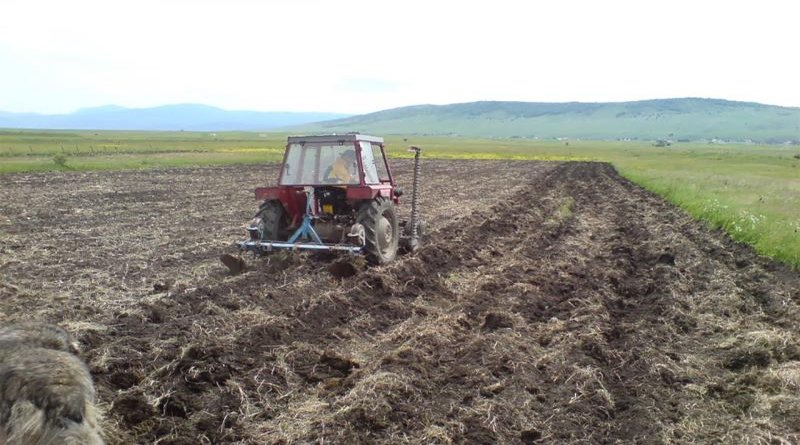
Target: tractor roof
x,y
348,137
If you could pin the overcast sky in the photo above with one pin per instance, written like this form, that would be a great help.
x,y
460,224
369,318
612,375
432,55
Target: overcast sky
x,y
360,56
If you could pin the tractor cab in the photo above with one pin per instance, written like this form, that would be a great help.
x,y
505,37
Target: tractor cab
x,y
347,160
334,193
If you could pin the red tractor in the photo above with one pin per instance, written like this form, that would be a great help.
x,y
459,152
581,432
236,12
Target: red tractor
x,y
334,193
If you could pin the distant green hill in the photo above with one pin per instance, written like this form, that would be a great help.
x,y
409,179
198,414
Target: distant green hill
x,y
689,118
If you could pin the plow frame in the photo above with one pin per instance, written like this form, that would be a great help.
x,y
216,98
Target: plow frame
x,y
304,232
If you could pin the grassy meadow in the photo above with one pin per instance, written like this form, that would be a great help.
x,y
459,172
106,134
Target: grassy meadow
x,y
751,191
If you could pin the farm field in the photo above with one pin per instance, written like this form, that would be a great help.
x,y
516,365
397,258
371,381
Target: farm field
x,y
750,191
553,303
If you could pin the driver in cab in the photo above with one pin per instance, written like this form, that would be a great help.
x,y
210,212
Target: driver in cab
x,y
342,171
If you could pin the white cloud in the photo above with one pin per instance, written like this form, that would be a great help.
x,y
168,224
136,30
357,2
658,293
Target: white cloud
x,y
359,56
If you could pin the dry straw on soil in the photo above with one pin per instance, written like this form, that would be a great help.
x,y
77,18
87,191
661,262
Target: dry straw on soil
x,y
555,303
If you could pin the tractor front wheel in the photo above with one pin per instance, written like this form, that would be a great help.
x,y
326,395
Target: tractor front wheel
x,y
381,230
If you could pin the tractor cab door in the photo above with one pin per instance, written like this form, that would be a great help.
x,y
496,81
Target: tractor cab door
x,y
376,166
368,160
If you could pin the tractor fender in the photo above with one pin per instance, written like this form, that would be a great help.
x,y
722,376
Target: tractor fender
x,y
293,200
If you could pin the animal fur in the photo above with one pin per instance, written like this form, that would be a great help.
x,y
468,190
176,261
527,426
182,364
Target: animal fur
x,y
46,392
38,335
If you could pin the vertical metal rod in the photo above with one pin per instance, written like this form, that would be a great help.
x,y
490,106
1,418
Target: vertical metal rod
x,y
415,200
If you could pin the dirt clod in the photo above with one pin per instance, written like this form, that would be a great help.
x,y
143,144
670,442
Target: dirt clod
x,y
133,408
343,269
235,264
530,436
494,320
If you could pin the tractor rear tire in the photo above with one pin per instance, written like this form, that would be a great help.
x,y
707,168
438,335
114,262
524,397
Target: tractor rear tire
x,y
274,221
381,230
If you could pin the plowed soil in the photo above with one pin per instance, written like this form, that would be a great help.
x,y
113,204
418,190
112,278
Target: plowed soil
x,y
551,303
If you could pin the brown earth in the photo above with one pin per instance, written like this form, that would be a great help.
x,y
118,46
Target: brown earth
x,y
553,303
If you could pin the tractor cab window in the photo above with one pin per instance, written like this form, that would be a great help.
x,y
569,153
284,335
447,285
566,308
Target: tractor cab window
x,y
369,163
299,165
313,164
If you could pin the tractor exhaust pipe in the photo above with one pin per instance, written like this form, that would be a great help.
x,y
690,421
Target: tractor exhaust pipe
x,y
413,242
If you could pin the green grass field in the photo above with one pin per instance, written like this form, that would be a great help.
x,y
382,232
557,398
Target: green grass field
x,y
751,191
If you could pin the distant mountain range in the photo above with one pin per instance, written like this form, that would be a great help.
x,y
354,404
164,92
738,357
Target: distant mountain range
x,y
168,117
676,119
688,118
